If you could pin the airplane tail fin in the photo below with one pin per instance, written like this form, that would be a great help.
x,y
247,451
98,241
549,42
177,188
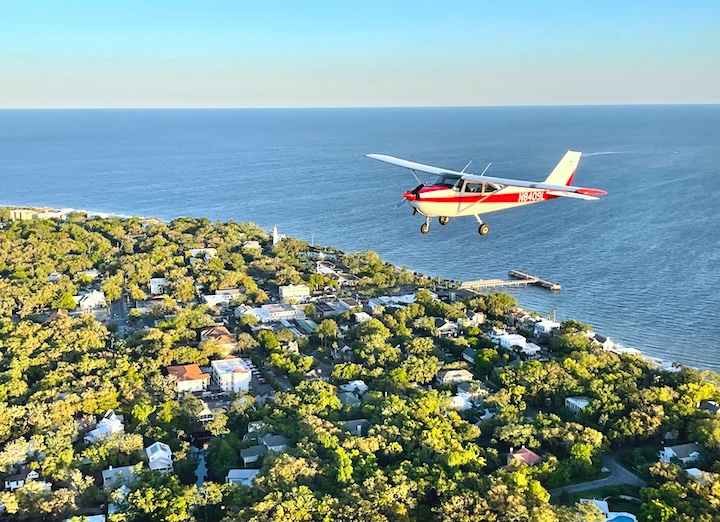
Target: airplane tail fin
x,y
563,173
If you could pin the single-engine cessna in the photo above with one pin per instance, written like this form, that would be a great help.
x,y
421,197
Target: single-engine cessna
x,y
456,194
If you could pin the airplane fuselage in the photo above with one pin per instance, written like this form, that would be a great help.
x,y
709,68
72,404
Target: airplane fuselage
x,y
440,200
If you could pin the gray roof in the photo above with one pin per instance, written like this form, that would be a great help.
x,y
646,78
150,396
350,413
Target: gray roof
x,y
275,440
352,425
685,450
253,451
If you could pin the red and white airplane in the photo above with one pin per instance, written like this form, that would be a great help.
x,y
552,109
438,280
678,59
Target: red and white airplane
x,y
456,194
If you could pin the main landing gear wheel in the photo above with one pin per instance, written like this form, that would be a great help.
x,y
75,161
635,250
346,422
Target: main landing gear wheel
x,y
444,220
484,229
425,228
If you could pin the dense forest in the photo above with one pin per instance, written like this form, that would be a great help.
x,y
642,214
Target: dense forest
x,y
418,459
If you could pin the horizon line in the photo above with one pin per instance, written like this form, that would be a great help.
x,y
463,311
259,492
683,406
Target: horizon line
x,y
315,107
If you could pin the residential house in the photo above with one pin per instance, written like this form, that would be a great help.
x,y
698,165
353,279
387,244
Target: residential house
x,y
358,427
231,374
362,317
218,300
90,301
445,377
685,453
701,477
324,310
205,415
159,457
233,292
298,293
220,334
276,443
473,391
609,516
252,245
577,404
456,402
256,426
206,254
272,312
473,318
18,480
545,327
530,349
604,342
157,285
349,399
189,378
348,303
342,353
446,328
357,387
115,477
709,406
252,454
469,355
507,341
241,477
109,424
91,273
523,456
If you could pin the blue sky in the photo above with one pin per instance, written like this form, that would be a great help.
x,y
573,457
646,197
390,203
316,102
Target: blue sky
x,y
219,53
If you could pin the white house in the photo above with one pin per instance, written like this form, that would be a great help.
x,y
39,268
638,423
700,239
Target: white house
x,y
531,349
545,327
18,480
115,477
205,415
90,301
159,457
685,453
457,402
157,285
362,317
189,378
296,292
109,424
358,387
509,340
221,300
231,374
577,404
271,312
241,477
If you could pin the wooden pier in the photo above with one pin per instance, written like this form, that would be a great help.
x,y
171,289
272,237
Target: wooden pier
x,y
519,279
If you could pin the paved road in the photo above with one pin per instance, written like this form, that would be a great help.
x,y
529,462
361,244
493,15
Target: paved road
x,y
618,476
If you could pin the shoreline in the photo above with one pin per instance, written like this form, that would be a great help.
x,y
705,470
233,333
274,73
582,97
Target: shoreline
x,y
63,213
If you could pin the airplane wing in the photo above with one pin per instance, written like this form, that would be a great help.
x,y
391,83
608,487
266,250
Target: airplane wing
x,y
559,190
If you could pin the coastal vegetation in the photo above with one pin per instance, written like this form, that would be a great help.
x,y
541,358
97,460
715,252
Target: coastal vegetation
x,y
396,448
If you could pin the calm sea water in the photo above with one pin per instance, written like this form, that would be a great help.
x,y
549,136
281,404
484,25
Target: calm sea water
x,y
642,265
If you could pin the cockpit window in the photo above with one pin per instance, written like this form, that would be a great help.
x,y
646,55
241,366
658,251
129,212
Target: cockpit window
x,y
447,181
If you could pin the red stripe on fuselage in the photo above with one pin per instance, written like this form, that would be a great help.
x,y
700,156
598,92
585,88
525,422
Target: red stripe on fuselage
x,y
510,197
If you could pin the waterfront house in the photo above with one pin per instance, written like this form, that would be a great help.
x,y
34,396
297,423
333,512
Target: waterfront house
x,y
18,480
159,457
685,453
241,477
252,454
231,374
604,342
109,424
545,327
577,404
507,341
188,378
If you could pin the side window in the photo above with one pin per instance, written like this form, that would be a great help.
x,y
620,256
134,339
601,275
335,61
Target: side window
x,y
473,187
488,188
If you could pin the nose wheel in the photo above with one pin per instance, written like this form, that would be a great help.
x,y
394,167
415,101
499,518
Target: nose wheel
x,y
425,227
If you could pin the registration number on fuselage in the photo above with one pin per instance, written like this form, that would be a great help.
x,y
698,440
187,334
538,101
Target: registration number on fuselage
x,y
524,197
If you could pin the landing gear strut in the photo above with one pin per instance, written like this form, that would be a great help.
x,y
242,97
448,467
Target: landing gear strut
x,y
444,220
484,228
425,227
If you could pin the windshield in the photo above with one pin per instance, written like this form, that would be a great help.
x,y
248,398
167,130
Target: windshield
x,y
447,180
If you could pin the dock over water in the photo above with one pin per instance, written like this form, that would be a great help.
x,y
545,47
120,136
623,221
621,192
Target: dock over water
x,y
519,279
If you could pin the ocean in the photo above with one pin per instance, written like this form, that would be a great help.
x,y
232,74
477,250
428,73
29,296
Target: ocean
x,y
641,265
